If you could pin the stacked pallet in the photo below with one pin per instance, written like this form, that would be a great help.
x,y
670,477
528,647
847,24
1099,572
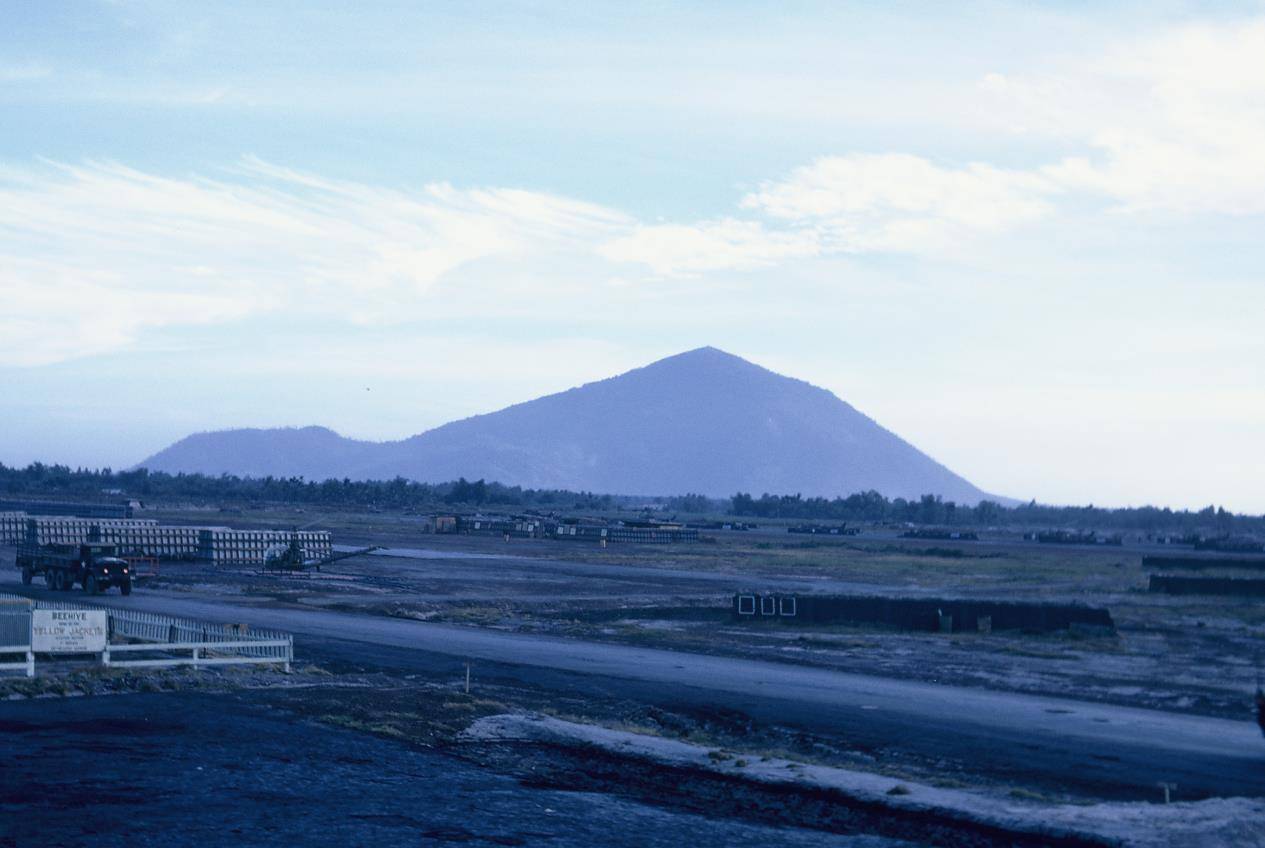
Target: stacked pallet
x,y
222,546
651,535
68,530
79,510
637,535
12,528
151,540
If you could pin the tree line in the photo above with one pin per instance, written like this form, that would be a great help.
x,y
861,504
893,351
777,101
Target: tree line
x,y
933,510
97,484
39,479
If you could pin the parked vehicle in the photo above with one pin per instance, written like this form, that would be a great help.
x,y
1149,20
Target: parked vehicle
x,y
95,567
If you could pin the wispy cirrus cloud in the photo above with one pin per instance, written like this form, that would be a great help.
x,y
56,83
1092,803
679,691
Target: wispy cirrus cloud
x,y
24,72
1173,123
898,202
101,251
728,244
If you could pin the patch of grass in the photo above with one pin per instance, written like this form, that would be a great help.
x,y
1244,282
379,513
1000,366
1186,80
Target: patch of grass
x,y
1021,794
948,783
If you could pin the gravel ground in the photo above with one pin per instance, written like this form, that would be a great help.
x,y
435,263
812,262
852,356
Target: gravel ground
x,y
164,769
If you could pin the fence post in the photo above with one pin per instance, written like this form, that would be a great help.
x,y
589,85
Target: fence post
x,y
105,655
195,657
289,653
30,642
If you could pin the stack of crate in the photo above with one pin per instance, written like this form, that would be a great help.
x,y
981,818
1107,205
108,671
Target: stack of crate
x,y
222,546
69,530
12,528
652,535
152,540
58,529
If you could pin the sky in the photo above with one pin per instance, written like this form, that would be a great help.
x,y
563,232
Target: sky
x,y
1029,238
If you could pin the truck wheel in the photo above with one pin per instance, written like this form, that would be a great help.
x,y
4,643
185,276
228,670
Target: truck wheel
x,y
50,580
126,588
26,577
90,585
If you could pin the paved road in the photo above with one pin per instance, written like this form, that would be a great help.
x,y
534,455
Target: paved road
x,y
1098,749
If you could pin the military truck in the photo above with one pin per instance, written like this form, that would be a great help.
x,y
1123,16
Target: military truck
x,y
95,567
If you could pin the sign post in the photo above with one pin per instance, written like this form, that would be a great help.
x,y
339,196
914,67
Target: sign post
x,y
68,631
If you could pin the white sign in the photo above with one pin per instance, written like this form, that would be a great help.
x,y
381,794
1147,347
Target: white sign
x,y
68,631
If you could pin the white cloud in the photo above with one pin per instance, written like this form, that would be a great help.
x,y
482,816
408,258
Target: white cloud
x,y
727,244
1170,123
54,313
897,202
24,73
92,256
1173,122
888,203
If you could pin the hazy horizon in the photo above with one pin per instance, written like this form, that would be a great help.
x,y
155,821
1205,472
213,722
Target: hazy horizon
x,y
1031,248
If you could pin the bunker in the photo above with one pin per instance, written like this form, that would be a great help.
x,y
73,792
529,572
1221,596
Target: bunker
x,y
1172,584
950,615
1198,563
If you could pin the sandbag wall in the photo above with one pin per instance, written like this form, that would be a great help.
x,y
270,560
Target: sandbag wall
x,y
954,614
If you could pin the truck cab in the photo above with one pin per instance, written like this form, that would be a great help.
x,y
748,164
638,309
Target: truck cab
x,y
101,567
96,567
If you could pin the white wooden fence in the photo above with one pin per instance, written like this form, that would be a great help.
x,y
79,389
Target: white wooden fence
x,y
15,639
155,640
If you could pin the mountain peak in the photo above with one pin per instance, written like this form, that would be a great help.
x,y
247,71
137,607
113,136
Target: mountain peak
x,y
702,356
696,369
703,420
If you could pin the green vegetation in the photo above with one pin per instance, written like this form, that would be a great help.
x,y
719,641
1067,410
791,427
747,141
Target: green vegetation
x,y
932,510
62,481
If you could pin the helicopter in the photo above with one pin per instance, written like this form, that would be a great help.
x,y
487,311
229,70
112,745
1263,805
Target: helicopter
x,y
292,557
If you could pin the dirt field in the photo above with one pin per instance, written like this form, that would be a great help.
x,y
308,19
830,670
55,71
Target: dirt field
x,y
1195,654
1186,655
